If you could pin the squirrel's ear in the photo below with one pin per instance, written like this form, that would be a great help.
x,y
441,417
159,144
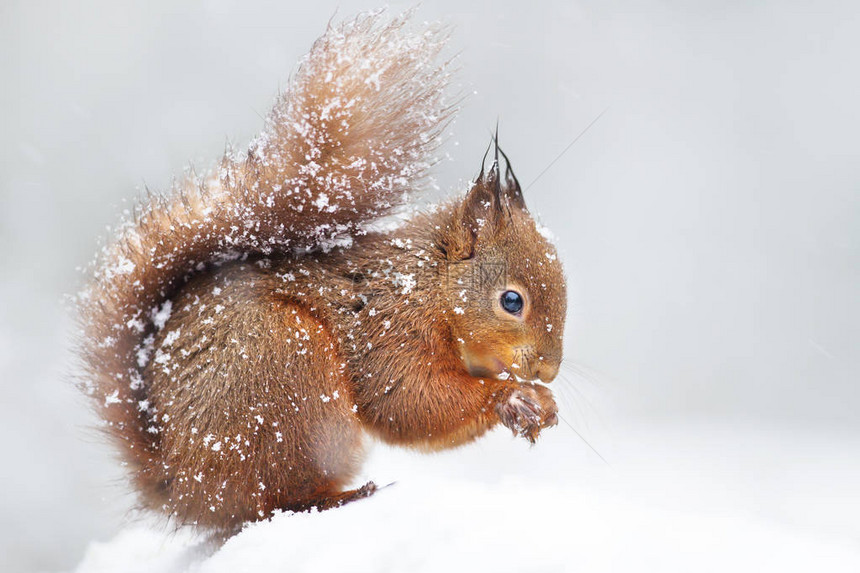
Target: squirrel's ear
x,y
480,210
486,207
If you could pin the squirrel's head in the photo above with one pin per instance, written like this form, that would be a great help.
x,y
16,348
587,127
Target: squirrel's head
x,y
505,285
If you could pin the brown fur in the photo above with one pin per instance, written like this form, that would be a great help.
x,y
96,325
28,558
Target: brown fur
x,y
239,371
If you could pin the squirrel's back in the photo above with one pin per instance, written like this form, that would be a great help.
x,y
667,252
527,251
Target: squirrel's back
x,y
352,134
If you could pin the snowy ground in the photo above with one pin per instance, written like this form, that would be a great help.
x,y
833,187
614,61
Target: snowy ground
x,y
676,498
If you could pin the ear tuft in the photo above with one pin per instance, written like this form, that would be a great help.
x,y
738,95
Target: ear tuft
x,y
512,190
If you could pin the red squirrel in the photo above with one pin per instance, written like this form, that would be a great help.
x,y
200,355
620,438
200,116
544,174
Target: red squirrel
x,y
244,332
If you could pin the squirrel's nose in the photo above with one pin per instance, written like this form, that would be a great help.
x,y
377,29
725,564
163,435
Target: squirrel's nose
x,y
547,371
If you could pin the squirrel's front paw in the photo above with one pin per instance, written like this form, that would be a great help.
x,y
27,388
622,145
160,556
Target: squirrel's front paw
x,y
528,409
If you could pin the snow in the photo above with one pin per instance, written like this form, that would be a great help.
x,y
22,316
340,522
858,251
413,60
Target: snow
x,y
112,398
124,266
405,280
161,315
173,336
676,498
545,232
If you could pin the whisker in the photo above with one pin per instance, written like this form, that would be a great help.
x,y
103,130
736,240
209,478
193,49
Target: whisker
x,y
575,431
572,402
581,371
566,149
570,384
572,375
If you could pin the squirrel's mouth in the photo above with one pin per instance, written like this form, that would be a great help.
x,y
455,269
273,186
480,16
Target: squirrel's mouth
x,y
484,371
509,374
484,363
491,367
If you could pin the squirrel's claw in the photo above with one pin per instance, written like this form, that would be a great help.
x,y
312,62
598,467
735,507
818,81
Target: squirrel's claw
x,y
548,406
550,421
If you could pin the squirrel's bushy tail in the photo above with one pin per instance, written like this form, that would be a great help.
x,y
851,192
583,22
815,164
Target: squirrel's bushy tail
x,y
354,131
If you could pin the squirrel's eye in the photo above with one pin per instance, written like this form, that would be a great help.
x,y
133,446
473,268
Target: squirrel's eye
x,y
512,301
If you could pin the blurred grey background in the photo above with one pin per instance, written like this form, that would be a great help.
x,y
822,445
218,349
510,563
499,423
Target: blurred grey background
x,y
709,222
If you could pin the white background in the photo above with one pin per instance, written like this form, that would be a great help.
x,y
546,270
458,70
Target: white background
x,y
709,224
